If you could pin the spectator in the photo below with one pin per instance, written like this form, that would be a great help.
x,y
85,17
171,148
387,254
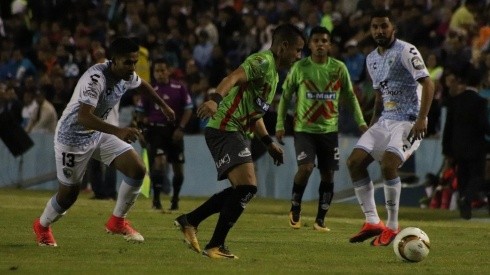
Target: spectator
x,y
355,61
463,18
23,67
45,117
29,107
205,23
203,50
464,137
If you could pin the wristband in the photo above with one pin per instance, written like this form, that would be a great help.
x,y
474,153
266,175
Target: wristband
x,y
267,140
215,97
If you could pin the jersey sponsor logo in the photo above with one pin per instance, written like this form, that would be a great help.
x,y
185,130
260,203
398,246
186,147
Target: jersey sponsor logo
x,y
389,105
417,63
301,156
245,153
262,104
89,93
321,96
223,160
390,92
67,172
175,86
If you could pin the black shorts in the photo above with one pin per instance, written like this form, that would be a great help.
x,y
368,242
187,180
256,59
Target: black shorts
x,y
159,139
228,149
325,147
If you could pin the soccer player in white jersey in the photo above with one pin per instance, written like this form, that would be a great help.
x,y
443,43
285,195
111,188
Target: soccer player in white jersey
x,y
404,94
82,133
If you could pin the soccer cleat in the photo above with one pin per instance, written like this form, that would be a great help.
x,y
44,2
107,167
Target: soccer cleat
x,y
385,238
189,232
368,230
156,205
174,205
295,219
116,225
319,225
44,236
220,252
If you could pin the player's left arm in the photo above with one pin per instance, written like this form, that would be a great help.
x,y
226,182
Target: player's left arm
x,y
186,116
274,149
419,129
147,90
413,62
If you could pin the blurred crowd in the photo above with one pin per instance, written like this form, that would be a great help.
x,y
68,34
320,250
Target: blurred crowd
x,y
46,45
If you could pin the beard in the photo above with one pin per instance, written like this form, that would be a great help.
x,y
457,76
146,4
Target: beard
x,y
384,41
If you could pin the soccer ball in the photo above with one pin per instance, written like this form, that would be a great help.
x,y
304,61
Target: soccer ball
x,y
411,245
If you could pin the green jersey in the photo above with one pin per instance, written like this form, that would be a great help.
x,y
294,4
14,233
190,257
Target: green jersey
x,y
318,88
248,102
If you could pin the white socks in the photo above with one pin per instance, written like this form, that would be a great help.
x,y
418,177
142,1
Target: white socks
x,y
125,199
364,190
52,212
392,190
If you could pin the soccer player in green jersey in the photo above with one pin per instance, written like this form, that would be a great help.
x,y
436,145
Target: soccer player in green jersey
x,y
318,82
235,113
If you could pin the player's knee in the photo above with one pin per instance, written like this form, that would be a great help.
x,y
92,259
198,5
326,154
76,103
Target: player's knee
x,y
305,170
140,171
137,171
353,163
388,168
67,197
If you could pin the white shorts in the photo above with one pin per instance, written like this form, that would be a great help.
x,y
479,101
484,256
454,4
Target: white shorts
x,y
71,162
388,135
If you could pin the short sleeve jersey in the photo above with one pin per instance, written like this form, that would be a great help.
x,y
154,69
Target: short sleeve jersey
x,y
318,88
175,94
395,75
248,102
98,88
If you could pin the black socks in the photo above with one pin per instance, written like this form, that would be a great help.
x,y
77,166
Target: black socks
x,y
211,206
230,212
325,192
297,196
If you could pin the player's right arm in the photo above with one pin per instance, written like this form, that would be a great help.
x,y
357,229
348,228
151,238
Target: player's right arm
x,y
378,107
209,108
89,120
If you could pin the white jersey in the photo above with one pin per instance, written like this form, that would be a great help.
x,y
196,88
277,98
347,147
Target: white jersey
x,y
98,88
395,75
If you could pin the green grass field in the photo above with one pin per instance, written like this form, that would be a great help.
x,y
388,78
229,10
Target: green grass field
x,y
261,238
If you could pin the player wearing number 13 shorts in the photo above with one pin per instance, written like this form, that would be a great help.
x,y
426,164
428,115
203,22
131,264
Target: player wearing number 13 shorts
x,y
82,133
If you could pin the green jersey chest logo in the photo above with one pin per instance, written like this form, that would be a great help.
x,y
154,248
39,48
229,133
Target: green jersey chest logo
x,y
321,96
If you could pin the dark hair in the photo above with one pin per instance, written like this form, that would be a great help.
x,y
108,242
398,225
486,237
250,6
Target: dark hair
x,y
473,76
320,30
121,46
382,13
160,60
286,32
